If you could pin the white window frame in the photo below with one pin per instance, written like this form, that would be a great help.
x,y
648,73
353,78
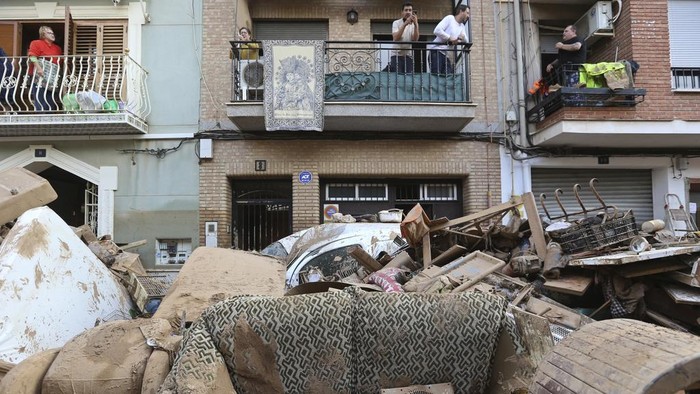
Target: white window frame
x,y
425,194
684,56
357,187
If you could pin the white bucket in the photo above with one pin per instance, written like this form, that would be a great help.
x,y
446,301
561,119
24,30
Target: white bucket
x,y
391,215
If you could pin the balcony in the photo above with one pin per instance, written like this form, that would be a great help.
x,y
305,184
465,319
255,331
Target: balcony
x,y
76,95
566,106
366,91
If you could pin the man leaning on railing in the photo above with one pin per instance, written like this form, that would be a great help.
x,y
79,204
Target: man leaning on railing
x,y
44,56
572,51
449,31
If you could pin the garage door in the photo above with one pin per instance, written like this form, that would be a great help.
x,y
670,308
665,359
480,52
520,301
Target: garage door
x,y
625,189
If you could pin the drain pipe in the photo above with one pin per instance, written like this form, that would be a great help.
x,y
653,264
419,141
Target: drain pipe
x,y
522,121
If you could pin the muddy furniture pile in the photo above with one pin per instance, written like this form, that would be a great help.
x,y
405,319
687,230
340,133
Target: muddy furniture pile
x,y
596,262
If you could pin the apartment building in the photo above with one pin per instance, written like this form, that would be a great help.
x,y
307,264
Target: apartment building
x,y
641,142
380,139
116,139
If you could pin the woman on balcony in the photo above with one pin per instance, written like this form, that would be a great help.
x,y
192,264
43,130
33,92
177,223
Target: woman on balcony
x,y
250,50
44,56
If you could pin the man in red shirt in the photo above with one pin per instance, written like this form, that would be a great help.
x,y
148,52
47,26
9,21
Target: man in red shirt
x,y
44,55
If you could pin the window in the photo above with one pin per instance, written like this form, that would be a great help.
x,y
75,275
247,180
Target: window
x,y
357,192
427,192
685,58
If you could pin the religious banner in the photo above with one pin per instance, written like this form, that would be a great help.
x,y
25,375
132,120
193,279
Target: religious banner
x,y
294,85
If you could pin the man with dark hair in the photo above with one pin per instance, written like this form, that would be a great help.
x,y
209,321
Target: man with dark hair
x,y
404,29
572,53
449,31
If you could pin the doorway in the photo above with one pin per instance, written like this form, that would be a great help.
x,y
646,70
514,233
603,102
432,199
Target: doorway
x,y
262,212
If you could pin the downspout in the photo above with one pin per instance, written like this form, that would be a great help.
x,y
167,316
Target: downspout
x,y
522,121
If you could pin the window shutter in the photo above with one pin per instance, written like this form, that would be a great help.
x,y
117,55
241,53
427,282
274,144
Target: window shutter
x,y
290,31
100,38
85,40
113,39
683,30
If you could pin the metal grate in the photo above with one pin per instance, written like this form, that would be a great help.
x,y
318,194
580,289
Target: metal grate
x,y
155,285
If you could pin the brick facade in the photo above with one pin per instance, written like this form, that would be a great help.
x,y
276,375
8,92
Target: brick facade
x,y
641,34
477,164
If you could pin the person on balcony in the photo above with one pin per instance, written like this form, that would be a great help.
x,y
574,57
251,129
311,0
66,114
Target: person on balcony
x,y
404,29
450,31
44,57
250,50
572,53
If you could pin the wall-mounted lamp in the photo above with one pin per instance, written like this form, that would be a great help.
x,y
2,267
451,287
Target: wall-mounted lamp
x,y
353,16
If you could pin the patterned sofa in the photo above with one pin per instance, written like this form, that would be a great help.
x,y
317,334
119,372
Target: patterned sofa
x,y
348,341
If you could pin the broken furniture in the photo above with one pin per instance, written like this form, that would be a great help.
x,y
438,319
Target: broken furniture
x,y
20,190
590,232
344,341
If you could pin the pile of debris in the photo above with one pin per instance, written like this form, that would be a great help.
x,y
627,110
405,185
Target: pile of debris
x,y
52,285
569,269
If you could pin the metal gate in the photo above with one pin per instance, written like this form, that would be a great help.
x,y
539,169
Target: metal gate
x,y
91,206
262,213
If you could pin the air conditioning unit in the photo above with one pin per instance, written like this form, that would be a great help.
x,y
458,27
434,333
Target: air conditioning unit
x,y
596,23
251,79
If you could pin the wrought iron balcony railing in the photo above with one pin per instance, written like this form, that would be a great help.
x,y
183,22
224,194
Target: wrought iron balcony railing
x,y
369,71
581,85
73,85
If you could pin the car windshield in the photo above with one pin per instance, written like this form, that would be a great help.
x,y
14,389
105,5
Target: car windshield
x,y
275,249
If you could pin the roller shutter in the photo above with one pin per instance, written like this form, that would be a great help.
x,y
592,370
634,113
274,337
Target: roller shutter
x,y
625,189
683,28
290,30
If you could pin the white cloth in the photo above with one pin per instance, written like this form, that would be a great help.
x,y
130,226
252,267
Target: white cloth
x,y
447,28
403,49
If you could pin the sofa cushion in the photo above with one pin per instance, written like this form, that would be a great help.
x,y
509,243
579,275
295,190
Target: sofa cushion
x,y
408,339
342,342
272,345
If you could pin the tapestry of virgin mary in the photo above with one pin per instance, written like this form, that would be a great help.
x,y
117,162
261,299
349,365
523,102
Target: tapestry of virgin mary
x,y
294,85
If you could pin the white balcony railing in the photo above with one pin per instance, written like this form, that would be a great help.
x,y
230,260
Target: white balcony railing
x,y
73,84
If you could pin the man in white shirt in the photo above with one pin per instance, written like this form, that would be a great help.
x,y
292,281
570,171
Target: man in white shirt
x,y
404,29
449,31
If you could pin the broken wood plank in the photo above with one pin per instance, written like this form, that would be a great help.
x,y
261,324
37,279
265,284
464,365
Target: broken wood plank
x,y
535,332
569,284
600,308
494,210
450,254
365,259
427,257
524,292
631,257
533,219
650,267
664,321
478,266
682,294
134,244
688,279
553,313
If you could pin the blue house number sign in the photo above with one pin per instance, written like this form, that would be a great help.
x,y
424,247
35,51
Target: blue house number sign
x,y
305,177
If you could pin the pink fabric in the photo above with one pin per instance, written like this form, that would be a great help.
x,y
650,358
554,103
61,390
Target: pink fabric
x,y
386,279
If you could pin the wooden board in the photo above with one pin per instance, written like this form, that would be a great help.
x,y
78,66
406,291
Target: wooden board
x,y
631,257
535,332
650,267
553,313
682,294
569,284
